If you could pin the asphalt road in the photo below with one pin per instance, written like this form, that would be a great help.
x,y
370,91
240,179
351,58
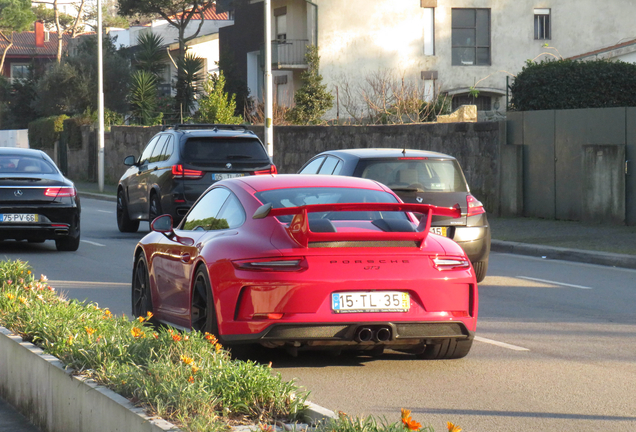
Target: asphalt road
x,y
555,344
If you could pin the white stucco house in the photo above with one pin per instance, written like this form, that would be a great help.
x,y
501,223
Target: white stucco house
x,y
205,45
438,45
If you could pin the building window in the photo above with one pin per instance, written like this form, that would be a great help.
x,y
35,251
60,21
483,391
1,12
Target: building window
x,y
471,37
542,24
280,23
484,103
19,71
429,31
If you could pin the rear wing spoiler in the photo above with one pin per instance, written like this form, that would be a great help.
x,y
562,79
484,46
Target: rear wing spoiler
x,y
298,228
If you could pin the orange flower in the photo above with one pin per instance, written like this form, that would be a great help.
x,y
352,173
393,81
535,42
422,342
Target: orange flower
x,y
452,428
191,379
265,428
10,296
141,319
176,337
195,369
70,340
137,333
408,421
149,315
187,360
107,314
156,335
90,331
22,300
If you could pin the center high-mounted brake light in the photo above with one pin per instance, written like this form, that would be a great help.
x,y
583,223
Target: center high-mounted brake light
x,y
475,206
450,263
271,170
272,264
58,192
179,171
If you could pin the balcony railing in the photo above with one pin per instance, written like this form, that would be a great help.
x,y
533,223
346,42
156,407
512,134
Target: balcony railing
x,y
287,54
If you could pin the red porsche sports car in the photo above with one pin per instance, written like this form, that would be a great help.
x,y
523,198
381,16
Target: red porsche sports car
x,y
309,262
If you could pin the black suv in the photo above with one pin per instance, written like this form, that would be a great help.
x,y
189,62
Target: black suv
x,y
419,176
179,164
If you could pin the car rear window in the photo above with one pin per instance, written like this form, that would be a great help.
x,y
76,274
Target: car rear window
x,y
209,150
431,175
26,165
296,197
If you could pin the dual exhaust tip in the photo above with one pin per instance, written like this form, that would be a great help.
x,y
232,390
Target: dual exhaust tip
x,y
373,333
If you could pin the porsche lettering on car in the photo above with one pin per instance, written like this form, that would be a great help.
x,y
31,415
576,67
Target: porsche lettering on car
x,y
308,262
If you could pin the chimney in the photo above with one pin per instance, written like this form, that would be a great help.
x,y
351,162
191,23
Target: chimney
x,y
39,34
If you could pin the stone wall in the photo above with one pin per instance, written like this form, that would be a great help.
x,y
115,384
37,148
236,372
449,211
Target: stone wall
x,y
475,145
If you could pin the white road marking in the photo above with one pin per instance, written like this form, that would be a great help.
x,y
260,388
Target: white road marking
x,y
553,282
106,211
500,344
93,243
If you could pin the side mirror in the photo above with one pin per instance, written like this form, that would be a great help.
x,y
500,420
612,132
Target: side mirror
x,y
163,224
129,161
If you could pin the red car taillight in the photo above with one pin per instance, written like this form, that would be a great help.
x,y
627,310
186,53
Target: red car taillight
x,y
475,206
271,170
58,192
450,263
272,264
179,171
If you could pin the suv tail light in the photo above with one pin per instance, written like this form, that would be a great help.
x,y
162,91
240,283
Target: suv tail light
x,y
57,192
179,171
271,170
475,206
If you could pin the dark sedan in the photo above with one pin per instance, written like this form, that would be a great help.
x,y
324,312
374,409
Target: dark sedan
x,y
37,202
419,176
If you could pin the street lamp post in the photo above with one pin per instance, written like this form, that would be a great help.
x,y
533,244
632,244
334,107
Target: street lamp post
x,y
100,100
269,100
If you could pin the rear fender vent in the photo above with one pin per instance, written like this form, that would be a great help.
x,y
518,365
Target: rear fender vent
x,y
364,244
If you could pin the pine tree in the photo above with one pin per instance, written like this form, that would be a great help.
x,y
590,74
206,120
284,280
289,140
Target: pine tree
x,y
313,99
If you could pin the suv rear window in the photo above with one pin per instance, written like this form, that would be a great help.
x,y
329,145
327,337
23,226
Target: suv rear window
x,y
205,151
431,175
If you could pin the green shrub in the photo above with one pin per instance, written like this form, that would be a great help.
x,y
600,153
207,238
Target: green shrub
x,y
45,131
72,131
570,84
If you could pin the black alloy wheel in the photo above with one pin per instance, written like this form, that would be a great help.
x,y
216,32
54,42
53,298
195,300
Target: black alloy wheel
x,y
141,296
155,208
123,218
203,317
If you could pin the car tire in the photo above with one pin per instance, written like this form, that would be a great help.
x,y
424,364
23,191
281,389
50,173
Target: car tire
x,y
447,349
69,243
481,267
202,313
155,207
123,218
141,295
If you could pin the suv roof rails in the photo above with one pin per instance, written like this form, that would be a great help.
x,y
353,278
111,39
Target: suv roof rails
x,y
208,126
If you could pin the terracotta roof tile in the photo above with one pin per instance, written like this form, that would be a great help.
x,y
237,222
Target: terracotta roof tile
x,y
603,50
211,14
24,45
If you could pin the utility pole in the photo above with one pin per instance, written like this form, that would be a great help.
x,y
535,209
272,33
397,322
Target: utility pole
x,y
269,100
100,100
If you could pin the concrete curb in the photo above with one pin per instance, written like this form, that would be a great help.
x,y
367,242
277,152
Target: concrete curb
x,y
556,253
54,400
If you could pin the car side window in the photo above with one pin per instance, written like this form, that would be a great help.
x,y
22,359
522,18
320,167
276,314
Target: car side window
x,y
312,167
232,212
147,153
167,150
203,215
338,168
329,165
158,150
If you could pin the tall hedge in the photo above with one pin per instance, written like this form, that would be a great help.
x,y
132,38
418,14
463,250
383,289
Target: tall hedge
x,y
72,132
43,132
570,84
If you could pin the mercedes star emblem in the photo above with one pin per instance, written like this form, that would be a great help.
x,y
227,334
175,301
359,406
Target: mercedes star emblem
x,y
17,192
